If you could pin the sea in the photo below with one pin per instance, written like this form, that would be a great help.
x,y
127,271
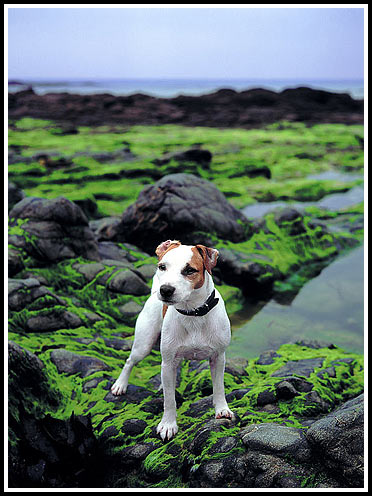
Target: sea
x,y
170,88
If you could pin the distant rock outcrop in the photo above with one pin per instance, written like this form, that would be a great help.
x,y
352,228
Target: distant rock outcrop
x,y
223,108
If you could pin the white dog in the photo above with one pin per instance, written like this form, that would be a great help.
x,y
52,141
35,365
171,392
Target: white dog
x,y
190,314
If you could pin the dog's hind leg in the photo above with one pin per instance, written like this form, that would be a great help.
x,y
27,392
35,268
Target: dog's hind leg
x,y
147,330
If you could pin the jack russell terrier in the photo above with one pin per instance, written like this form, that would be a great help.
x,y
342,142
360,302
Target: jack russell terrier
x,y
190,314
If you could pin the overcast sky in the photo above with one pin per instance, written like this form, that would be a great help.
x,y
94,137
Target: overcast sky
x,y
63,43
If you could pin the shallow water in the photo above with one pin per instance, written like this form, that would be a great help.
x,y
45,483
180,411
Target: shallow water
x,y
334,201
330,307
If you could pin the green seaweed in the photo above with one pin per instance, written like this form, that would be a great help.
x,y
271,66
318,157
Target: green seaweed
x,y
290,151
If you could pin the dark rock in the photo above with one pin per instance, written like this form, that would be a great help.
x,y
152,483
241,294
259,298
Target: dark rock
x,y
23,292
338,439
266,397
231,471
112,251
329,371
223,445
202,157
179,206
89,270
128,282
147,271
58,229
237,269
236,366
102,227
66,448
36,472
137,452
285,390
59,210
130,309
223,108
15,195
276,439
300,367
88,206
155,406
15,262
271,408
133,427
92,383
314,344
109,432
237,394
53,320
316,405
118,344
252,171
299,384
292,219
133,394
201,437
70,363
45,452
27,371
199,407
267,357
272,471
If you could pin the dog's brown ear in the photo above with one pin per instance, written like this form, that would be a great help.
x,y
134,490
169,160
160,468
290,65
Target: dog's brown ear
x,y
209,256
166,246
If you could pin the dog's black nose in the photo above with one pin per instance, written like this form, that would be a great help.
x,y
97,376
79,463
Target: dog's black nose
x,y
166,290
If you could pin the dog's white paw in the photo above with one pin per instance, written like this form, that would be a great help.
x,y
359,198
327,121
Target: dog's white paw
x,y
167,430
224,412
118,388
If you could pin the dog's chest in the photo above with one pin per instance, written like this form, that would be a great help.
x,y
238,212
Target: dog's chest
x,y
195,343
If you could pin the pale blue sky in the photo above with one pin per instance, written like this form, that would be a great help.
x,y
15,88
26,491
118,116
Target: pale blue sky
x,y
58,43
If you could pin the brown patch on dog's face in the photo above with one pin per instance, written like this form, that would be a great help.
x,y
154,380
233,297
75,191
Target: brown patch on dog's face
x,y
194,270
164,247
208,255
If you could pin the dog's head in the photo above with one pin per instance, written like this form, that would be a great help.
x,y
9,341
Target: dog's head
x,y
181,269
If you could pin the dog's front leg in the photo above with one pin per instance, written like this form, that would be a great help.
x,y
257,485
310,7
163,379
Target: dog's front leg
x,y
168,425
217,364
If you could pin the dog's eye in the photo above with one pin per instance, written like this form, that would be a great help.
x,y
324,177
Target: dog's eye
x,y
162,267
187,271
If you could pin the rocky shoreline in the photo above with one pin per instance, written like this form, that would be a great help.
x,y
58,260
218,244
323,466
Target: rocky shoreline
x,y
224,108
73,298
88,206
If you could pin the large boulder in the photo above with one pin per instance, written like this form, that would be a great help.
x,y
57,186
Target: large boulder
x,y
181,206
52,230
338,439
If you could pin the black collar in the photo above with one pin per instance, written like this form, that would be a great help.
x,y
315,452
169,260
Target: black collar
x,y
204,309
